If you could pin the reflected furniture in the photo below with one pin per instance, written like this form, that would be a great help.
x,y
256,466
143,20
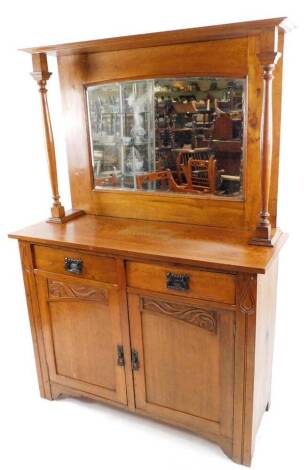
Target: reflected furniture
x,y
222,128
201,174
156,293
185,154
164,176
138,127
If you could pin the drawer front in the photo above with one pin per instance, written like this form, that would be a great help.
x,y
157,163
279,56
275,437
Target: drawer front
x,y
99,268
184,281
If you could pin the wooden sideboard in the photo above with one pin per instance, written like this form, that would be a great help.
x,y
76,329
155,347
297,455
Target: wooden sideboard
x,y
198,357
157,302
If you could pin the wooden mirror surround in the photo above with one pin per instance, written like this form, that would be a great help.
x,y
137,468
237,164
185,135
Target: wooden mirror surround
x,y
156,62
253,56
162,278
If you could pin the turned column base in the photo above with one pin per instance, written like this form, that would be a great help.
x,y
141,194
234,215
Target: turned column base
x,y
264,238
65,216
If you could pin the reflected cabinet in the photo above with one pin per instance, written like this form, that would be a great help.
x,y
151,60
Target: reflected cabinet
x,y
156,292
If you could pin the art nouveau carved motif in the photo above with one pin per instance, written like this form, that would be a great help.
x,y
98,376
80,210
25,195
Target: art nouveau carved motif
x,y
206,319
248,297
63,290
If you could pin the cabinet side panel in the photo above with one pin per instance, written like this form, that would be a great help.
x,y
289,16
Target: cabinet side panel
x,y
244,368
266,308
35,321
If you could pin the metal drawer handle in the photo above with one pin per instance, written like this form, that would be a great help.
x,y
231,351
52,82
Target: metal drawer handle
x,y
74,266
177,281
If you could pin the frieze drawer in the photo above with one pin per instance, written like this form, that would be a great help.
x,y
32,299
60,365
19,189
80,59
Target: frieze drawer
x,y
184,281
75,263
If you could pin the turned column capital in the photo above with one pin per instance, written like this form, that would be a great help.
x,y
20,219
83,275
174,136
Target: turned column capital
x,y
40,72
268,59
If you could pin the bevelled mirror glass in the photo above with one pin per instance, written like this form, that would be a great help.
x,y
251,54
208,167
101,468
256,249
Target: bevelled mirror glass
x,y
180,135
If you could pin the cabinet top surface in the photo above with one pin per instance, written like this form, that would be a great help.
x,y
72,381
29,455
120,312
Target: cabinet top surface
x,y
161,241
225,31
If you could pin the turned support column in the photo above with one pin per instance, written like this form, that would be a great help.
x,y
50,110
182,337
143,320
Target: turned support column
x,y
268,59
41,75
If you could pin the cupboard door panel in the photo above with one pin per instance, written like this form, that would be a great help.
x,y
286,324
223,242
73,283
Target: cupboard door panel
x,y
185,362
81,327
81,336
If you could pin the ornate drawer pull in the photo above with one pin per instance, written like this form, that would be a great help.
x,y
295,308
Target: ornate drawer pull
x,y
177,281
74,266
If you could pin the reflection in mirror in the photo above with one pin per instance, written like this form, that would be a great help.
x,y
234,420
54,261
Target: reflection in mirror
x,y
178,135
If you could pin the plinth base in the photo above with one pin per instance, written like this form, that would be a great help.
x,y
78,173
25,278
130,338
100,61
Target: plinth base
x,y
276,233
69,215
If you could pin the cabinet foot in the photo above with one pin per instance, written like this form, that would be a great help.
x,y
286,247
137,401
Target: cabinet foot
x,y
245,460
46,393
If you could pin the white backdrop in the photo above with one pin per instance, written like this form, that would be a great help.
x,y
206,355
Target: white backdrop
x,y
68,433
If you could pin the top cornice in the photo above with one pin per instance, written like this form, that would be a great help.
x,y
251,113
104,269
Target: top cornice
x,y
181,36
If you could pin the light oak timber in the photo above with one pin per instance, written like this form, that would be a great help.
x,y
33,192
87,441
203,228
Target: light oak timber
x,y
79,329
202,284
97,268
235,57
76,72
178,243
35,320
207,33
162,304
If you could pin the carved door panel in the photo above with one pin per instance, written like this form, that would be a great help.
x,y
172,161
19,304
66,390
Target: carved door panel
x,y
183,361
81,328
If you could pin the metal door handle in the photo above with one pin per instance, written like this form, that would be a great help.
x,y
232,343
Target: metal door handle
x,y
135,360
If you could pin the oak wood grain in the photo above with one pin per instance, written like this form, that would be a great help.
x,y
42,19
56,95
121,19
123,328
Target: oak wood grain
x,y
202,284
99,268
81,340
165,381
35,320
180,243
204,353
207,33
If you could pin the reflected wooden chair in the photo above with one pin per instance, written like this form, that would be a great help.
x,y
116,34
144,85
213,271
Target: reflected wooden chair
x,y
183,157
165,178
201,175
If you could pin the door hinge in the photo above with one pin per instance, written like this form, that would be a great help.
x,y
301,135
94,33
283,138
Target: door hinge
x,y
120,355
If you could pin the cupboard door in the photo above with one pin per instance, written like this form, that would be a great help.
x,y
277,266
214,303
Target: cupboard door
x,y
183,361
82,333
